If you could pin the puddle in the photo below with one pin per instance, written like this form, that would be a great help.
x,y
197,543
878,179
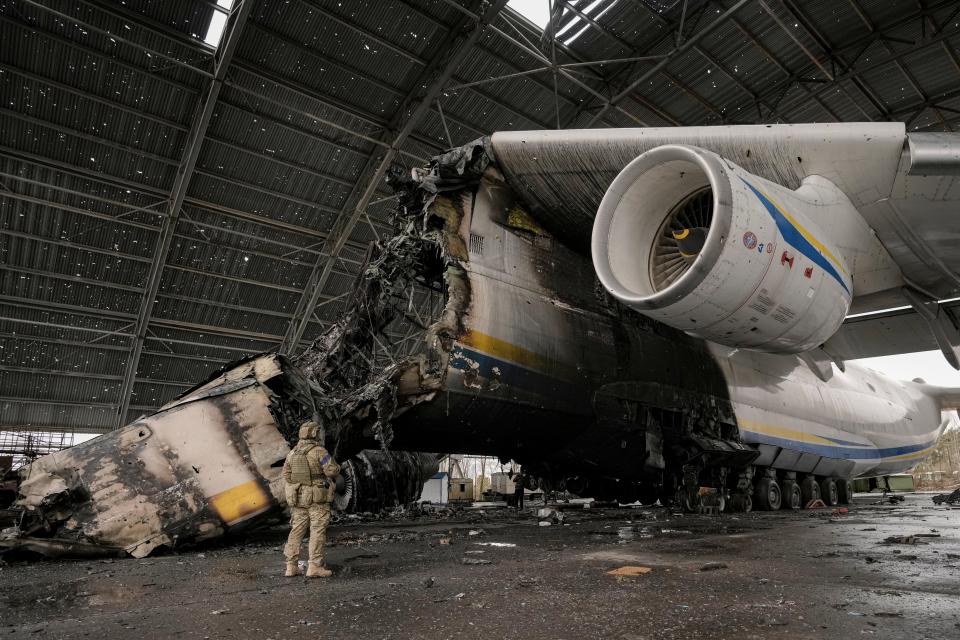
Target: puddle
x,y
631,533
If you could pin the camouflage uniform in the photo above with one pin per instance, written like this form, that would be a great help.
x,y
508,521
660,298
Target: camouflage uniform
x,y
309,490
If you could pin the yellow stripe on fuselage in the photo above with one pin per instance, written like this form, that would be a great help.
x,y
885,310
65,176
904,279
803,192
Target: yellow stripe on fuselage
x,y
806,234
783,432
503,350
241,501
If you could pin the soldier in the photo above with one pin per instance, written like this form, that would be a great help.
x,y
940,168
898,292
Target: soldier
x,y
309,473
518,487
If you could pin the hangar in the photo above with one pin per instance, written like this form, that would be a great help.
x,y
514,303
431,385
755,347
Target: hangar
x,y
189,184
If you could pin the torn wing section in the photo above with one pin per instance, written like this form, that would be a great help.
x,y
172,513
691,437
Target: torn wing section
x,y
205,463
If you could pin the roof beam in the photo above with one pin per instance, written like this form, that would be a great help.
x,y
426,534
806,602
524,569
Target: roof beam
x,y
224,55
855,73
416,104
657,68
120,183
531,50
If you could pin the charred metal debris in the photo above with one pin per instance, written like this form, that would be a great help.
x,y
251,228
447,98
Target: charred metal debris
x,y
425,253
952,498
210,461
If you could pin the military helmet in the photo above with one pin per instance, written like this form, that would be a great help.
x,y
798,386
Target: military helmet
x,y
309,430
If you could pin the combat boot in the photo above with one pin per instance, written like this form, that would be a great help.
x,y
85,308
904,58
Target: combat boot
x,y
317,571
292,570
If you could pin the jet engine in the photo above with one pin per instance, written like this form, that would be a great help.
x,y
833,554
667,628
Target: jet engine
x,y
693,240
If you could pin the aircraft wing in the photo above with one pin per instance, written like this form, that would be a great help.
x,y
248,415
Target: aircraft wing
x,y
906,186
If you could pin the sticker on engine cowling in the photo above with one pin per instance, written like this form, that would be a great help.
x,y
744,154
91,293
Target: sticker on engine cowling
x,y
749,239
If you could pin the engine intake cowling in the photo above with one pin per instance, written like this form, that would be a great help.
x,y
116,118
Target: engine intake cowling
x,y
695,241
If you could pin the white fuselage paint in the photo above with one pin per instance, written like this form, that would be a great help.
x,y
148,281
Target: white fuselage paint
x,y
859,423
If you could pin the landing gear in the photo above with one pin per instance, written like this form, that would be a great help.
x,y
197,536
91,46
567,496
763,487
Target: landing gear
x,y
828,492
767,496
687,500
843,491
792,499
809,490
740,502
647,494
626,492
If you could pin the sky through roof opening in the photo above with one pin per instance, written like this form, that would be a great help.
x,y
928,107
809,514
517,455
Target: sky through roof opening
x,y
217,22
536,11
571,25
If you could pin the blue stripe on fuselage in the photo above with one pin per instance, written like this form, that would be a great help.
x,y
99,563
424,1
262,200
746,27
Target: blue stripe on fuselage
x,y
827,451
512,374
795,237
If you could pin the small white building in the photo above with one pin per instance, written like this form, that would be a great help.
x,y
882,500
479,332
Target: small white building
x,y
436,490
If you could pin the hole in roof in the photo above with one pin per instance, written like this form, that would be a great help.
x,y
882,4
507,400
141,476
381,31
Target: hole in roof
x,y
536,11
217,22
571,24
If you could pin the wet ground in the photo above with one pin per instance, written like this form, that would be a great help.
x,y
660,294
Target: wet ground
x,y
811,574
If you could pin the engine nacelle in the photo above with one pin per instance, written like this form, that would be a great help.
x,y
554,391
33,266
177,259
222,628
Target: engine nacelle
x,y
695,241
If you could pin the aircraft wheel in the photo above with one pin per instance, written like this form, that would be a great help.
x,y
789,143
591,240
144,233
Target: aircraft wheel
x,y
689,502
626,492
741,502
828,492
577,486
809,490
843,491
666,495
791,496
647,494
767,494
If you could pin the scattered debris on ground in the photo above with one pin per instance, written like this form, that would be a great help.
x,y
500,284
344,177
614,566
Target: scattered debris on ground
x,y
951,498
916,538
629,571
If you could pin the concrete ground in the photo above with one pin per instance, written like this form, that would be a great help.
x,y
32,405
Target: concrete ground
x,y
810,574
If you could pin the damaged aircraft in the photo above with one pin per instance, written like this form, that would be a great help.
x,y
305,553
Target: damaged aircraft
x,y
632,314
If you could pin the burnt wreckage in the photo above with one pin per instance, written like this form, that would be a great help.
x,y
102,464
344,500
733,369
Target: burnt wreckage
x,y
525,357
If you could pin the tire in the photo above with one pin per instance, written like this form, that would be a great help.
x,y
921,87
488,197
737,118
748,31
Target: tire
x,y
577,486
690,503
647,494
791,496
767,495
828,492
809,490
843,491
626,492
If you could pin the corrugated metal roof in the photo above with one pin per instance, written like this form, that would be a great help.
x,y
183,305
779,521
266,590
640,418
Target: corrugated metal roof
x,y
96,101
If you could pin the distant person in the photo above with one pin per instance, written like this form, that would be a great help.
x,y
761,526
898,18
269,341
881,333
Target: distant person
x,y
309,486
518,490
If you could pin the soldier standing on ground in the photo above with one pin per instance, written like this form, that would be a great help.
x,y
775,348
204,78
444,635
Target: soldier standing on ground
x,y
518,490
309,473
